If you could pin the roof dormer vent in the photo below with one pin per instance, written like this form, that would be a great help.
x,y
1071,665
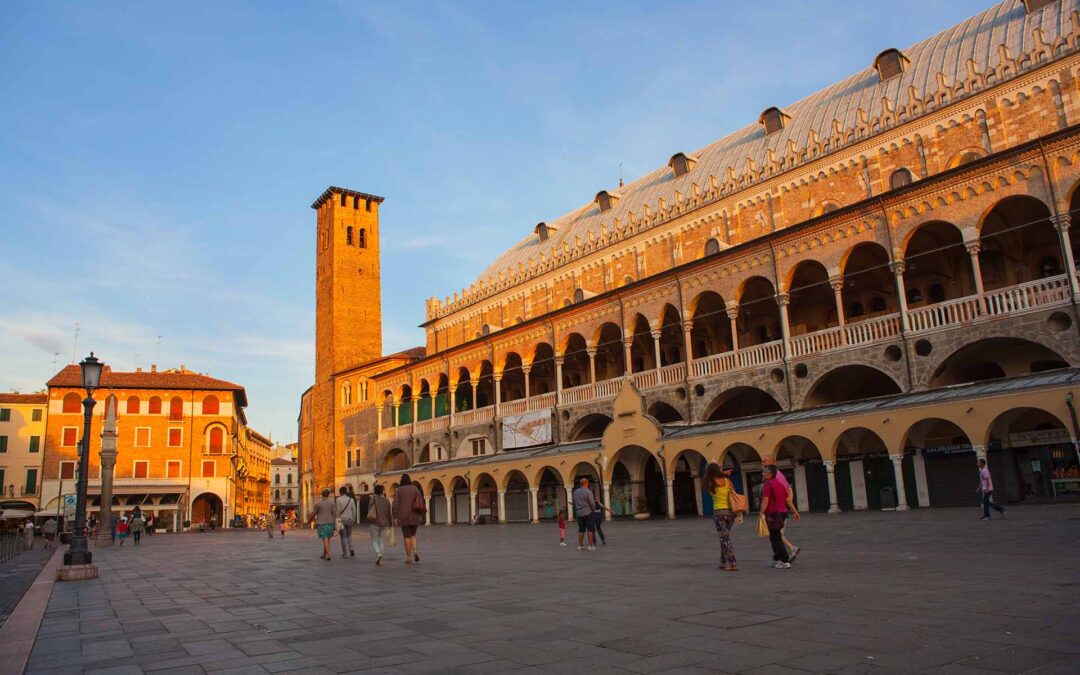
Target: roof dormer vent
x,y
543,231
773,119
1036,5
681,163
605,200
890,63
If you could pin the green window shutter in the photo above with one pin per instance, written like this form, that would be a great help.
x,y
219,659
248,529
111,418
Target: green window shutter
x,y
405,413
5,414
423,409
35,443
442,406
35,416
3,443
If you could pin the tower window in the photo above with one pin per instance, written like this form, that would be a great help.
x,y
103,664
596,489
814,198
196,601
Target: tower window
x,y
712,247
355,203
343,199
361,238
579,295
367,205
348,235
899,179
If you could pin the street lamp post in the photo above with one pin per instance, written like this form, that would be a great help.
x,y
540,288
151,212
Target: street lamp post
x,y
79,553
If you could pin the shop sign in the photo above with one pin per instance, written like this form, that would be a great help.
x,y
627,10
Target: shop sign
x,y
858,458
1024,439
943,450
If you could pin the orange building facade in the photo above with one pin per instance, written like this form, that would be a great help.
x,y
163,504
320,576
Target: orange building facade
x,y
832,288
183,450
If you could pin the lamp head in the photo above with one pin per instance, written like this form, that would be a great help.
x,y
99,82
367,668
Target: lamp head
x,y
91,372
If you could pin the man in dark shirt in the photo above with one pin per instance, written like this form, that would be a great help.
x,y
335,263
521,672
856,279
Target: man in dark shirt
x,y
583,511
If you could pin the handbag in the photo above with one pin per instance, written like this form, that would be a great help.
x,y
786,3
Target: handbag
x,y
737,502
418,505
762,527
372,513
391,540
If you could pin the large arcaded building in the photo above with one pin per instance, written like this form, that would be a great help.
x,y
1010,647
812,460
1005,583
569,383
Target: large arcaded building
x,y
871,286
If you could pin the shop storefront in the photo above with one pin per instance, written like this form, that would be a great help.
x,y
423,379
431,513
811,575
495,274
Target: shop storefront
x,y
1036,465
951,474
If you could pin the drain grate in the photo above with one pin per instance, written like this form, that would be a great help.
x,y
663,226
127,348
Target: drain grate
x,y
263,628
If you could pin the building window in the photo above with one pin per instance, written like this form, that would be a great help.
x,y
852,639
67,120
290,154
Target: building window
x,y
215,441
712,247
362,238
69,437
899,179
348,458
142,437
348,236
211,406
133,405
208,467
681,163
890,63
773,119
288,495
141,469
3,443
5,414
579,295
479,447
172,468
35,443
288,478
67,470
155,406
277,494
30,487
343,199
346,394
176,409
277,479
176,438
72,403
35,415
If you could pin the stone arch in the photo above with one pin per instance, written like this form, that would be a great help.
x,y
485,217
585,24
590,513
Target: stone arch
x,y
395,459
672,342
637,481
436,490
759,315
869,285
850,382
863,469
744,401
589,426
575,368
711,331
515,486
800,459
1021,419
642,352
687,468
937,266
1018,243
811,303
665,413
542,370
992,357
610,355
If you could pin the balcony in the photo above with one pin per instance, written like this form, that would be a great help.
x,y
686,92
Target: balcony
x,y
1013,300
852,335
748,357
592,392
666,376
524,405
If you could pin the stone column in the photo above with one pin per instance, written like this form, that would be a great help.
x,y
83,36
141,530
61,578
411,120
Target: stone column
x,y
452,392
591,351
570,501
397,414
898,269
427,505
607,500
415,411
802,496
502,506
837,284
858,485
498,392
525,370
670,487
628,343
973,248
733,317
558,380
108,463
898,472
1063,223
782,300
830,470
534,506
656,346
472,508
697,495
449,508
688,346
921,484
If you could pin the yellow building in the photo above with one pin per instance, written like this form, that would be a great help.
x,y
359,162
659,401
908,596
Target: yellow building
x,y
871,287
22,440
251,475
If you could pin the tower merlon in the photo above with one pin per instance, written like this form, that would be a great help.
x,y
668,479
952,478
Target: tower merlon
x,y
339,192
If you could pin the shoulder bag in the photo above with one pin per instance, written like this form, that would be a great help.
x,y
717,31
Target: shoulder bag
x,y
372,513
418,505
737,502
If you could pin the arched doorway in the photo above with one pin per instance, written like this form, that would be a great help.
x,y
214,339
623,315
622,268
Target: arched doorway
x,y
551,495
741,402
942,460
744,464
487,499
687,491
516,499
1031,457
864,472
206,506
994,358
850,383
439,514
460,501
800,460
639,483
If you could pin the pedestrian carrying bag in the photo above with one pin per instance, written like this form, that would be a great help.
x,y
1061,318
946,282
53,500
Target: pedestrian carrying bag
x,y
391,540
762,527
372,513
737,502
418,505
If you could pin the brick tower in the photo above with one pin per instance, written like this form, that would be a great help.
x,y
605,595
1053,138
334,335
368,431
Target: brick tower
x,y
348,306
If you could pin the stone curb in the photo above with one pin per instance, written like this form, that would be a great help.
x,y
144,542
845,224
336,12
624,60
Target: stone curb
x,y
18,633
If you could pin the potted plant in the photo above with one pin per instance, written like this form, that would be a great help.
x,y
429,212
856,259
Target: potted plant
x,y
641,508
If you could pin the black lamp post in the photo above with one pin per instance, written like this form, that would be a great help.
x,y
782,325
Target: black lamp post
x,y
79,553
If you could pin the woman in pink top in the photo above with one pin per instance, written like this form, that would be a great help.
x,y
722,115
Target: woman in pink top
x,y
775,503
792,549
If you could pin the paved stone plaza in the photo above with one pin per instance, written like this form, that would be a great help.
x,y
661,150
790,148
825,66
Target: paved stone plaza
x,y
931,590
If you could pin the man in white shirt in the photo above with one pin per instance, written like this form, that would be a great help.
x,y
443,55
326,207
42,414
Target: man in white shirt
x,y
986,487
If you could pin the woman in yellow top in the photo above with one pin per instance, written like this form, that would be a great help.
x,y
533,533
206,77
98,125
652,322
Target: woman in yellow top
x,y
720,487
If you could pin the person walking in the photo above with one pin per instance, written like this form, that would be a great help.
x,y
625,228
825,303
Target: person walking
x,y
719,485
136,526
122,530
598,520
346,508
562,528
986,487
380,517
282,523
775,503
792,549
583,511
323,515
151,525
271,520
409,509
49,531
114,522
28,534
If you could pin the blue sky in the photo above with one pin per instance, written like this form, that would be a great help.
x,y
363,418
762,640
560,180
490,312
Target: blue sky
x,y
157,162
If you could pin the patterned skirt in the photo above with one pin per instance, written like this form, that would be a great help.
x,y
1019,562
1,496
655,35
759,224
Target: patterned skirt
x,y
325,531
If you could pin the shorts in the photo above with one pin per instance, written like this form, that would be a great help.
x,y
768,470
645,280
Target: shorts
x,y
586,524
122,535
408,531
325,531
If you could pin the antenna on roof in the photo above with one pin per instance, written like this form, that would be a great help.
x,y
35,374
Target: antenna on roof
x,y
75,347
157,354
620,174
54,355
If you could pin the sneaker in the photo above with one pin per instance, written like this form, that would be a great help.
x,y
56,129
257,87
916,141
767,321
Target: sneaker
x,y
783,566
352,554
416,557
562,543
604,542
592,548
794,553
985,518
581,548
378,561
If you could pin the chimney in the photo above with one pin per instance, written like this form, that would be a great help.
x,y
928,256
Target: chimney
x,y
153,368
138,369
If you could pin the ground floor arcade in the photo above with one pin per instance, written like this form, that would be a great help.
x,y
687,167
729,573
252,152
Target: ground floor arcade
x,y
894,452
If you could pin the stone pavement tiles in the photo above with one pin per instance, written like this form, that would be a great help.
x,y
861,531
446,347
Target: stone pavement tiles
x,y
924,591
17,574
